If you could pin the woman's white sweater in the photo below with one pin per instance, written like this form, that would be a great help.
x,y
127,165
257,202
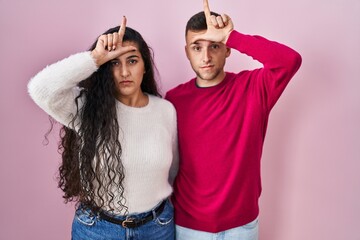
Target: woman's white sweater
x,y
148,135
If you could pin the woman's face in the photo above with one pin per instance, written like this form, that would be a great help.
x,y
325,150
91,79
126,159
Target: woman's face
x,y
128,70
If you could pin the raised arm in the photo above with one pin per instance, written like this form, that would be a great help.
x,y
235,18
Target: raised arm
x,y
280,62
54,88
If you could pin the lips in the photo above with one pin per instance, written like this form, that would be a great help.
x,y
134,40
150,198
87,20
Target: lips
x,y
207,67
125,83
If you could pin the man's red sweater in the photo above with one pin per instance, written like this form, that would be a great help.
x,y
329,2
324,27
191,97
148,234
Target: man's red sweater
x,y
221,132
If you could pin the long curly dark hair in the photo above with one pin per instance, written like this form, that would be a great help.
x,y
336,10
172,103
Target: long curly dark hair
x,y
91,156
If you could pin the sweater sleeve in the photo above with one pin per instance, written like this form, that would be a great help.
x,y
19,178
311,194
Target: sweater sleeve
x,y
175,151
54,89
280,63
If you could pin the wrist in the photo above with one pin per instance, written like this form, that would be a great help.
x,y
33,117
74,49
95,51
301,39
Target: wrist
x,y
96,57
227,36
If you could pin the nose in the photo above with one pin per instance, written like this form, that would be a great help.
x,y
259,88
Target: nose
x,y
125,72
206,56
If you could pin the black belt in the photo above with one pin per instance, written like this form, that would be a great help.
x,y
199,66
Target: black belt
x,y
132,222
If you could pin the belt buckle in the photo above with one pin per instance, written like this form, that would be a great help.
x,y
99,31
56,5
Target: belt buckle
x,y
127,222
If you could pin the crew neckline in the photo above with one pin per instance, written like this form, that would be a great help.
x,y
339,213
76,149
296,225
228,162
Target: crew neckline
x,y
145,108
212,87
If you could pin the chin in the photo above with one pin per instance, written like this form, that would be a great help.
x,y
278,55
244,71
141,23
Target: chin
x,y
207,77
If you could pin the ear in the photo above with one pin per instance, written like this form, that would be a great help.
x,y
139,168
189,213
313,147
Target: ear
x,y
186,52
228,52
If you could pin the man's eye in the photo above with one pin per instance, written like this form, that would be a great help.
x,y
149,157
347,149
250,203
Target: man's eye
x,y
196,48
215,46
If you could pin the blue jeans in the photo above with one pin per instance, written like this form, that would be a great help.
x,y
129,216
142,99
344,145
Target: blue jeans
x,y
87,226
248,231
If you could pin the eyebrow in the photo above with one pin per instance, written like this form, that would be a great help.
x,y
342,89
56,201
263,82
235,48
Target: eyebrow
x,y
133,56
194,43
198,43
129,57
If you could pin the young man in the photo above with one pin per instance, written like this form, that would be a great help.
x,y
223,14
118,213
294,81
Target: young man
x,y
222,121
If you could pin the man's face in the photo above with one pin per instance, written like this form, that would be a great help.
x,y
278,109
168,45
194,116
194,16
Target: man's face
x,y
206,58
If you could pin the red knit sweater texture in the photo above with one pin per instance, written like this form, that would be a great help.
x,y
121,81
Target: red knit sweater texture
x,y
221,131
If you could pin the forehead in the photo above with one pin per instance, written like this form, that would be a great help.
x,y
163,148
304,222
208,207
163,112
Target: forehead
x,y
131,53
191,35
130,43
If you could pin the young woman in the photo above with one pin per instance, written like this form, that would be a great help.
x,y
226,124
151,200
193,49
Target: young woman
x,y
118,140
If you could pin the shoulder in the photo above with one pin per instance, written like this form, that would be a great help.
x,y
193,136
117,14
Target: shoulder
x,y
179,90
242,77
161,103
163,110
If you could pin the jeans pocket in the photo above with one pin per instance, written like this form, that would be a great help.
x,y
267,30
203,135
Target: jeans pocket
x,y
167,216
85,216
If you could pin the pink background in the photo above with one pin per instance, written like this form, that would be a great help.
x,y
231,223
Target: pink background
x,y
311,184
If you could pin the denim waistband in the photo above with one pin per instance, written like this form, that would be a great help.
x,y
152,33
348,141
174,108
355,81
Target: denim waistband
x,y
134,220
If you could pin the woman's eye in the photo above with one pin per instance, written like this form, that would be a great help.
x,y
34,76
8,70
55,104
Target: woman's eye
x,y
132,61
114,63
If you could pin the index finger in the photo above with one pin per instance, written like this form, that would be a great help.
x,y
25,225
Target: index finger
x,y
207,10
122,28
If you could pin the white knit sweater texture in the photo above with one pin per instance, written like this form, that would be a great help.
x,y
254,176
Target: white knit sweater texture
x,y
148,135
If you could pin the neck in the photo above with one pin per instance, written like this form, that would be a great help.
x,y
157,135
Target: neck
x,y
137,101
210,82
